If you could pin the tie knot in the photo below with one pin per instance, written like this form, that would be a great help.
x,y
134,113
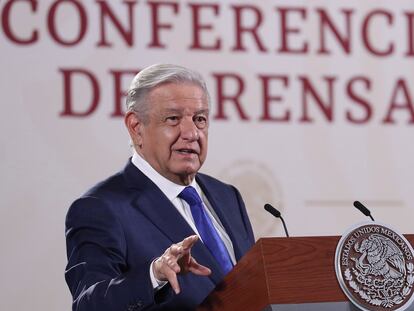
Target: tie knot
x,y
190,195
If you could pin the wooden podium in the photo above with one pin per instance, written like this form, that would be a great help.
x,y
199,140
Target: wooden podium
x,y
283,274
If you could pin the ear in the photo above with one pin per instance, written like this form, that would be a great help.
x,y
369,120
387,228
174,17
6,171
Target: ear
x,y
134,126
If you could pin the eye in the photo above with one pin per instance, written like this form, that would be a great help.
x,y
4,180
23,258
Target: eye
x,y
200,121
172,120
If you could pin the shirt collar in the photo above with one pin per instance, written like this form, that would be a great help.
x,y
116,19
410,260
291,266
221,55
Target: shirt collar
x,y
169,188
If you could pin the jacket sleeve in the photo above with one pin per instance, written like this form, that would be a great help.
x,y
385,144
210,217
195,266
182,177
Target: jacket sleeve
x,y
97,273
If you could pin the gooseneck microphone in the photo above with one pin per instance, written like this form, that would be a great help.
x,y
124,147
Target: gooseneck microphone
x,y
363,209
277,214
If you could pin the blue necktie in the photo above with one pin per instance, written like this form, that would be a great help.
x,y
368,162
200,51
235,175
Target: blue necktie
x,y
205,227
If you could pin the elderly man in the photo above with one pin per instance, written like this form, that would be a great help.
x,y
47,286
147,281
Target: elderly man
x,y
158,235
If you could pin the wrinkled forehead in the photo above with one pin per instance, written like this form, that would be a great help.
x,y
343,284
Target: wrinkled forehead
x,y
178,95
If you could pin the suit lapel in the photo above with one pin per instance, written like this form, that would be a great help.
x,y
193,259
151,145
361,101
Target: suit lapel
x,y
217,201
156,207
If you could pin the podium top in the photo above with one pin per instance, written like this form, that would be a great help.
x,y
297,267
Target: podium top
x,y
281,271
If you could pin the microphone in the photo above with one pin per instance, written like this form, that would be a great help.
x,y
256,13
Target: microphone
x,y
277,214
363,209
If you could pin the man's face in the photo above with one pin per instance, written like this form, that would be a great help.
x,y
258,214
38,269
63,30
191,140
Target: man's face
x,y
174,140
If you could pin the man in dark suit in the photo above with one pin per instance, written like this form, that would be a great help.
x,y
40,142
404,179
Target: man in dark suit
x,y
158,235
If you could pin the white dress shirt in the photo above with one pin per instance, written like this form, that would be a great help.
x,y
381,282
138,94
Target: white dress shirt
x,y
171,191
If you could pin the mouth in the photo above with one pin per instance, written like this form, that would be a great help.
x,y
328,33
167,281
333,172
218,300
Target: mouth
x,y
186,151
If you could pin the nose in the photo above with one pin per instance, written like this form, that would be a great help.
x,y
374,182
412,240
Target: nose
x,y
189,130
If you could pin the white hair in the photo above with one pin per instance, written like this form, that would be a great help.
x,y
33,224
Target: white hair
x,y
154,76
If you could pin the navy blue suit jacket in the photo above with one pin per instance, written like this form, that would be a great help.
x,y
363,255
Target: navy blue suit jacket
x,y
115,231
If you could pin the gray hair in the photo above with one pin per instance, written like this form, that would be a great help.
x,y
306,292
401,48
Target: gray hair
x,y
153,76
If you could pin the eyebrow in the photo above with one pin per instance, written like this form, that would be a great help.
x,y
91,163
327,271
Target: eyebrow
x,y
172,110
202,111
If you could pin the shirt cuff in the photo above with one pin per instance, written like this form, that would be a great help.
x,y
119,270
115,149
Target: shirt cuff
x,y
156,284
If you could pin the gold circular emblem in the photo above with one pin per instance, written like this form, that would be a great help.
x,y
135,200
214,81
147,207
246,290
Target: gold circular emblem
x,y
375,267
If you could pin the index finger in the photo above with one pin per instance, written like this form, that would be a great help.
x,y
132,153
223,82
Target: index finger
x,y
188,242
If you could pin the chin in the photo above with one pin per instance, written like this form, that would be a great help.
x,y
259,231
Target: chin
x,y
188,170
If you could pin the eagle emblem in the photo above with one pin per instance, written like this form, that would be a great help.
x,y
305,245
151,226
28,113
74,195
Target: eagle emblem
x,y
375,268
380,257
